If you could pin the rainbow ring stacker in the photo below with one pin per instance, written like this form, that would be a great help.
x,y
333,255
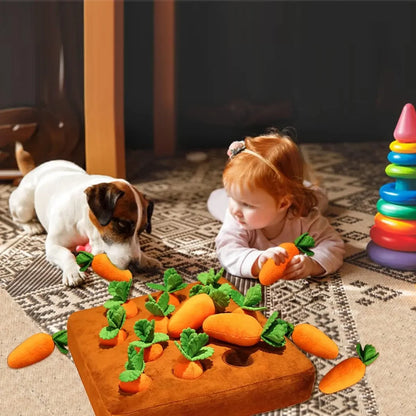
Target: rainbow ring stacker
x,y
394,225
399,147
405,212
400,260
393,241
402,172
403,190
406,159
390,193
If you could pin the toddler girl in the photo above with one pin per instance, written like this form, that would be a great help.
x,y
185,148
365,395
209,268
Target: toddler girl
x,y
269,203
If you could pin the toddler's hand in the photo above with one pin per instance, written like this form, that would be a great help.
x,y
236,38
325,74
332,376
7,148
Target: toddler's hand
x,y
302,266
278,254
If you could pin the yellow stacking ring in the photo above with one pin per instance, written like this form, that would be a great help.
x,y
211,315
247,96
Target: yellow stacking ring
x,y
399,147
395,225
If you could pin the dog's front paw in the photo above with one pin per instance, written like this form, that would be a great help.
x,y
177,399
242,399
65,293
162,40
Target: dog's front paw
x,y
147,262
72,277
32,228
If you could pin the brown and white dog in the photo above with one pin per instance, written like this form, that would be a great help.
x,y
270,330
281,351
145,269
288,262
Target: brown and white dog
x,y
75,208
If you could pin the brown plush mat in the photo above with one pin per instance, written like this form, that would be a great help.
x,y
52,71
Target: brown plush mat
x,y
267,378
363,302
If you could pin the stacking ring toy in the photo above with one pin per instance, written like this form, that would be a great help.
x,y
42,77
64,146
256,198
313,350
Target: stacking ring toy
x,y
389,193
400,260
394,225
406,159
405,212
397,171
399,147
393,241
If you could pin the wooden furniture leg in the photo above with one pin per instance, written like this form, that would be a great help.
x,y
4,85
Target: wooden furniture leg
x,y
164,114
103,87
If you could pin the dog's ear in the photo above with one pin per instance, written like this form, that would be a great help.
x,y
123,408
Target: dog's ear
x,y
102,199
149,216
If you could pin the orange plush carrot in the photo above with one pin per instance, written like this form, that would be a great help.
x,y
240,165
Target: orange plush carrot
x,y
235,328
349,371
193,349
36,348
244,330
271,272
313,340
191,314
133,379
186,369
102,265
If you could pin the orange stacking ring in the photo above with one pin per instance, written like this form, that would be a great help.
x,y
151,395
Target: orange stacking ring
x,y
399,147
393,241
394,225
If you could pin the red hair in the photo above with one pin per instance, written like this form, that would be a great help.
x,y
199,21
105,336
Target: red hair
x,y
246,170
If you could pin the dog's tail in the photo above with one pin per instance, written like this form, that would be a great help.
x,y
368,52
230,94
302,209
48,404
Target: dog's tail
x,y
24,159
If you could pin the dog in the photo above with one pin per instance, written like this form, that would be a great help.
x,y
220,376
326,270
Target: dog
x,y
75,208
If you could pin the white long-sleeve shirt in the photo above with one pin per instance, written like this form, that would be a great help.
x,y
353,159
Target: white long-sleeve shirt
x,y
237,248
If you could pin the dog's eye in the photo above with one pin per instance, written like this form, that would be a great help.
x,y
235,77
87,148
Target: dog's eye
x,y
123,226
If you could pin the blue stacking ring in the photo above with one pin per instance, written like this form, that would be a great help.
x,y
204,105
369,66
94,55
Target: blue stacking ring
x,y
389,193
406,159
400,260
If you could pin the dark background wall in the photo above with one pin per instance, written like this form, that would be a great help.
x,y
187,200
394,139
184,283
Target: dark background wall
x,y
337,71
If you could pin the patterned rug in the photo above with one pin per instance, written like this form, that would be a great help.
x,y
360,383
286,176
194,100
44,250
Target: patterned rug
x,y
352,305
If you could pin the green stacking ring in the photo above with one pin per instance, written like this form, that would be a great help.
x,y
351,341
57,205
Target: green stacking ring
x,y
405,212
397,171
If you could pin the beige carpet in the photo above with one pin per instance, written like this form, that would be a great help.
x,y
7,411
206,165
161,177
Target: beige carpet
x,y
363,302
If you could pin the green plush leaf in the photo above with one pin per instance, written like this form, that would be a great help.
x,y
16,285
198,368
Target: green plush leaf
x,y
156,286
237,297
368,354
141,344
160,337
60,339
120,290
275,330
304,242
163,301
210,277
108,332
192,345
195,290
134,366
160,307
129,375
145,330
173,281
253,296
254,308
224,288
116,317
249,301
111,303
221,299
153,307
84,259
